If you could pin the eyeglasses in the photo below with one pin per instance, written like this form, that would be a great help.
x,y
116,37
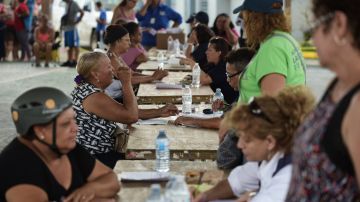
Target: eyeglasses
x,y
229,76
257,111
316,23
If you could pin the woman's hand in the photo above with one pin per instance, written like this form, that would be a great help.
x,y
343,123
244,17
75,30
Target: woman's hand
x,y
83,194
217,105
123,74
187,61
182,120
159,74
168,110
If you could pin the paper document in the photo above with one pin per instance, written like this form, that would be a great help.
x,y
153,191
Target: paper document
x,y
168,86
143,176
155,121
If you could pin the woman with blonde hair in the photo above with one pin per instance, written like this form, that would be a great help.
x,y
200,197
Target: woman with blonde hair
x,y
96,112
265,127
278,62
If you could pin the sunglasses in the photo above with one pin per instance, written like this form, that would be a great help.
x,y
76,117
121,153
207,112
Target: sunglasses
x,y
257,111
316,23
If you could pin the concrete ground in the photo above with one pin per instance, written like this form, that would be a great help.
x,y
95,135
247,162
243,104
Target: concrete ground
x,y
15,78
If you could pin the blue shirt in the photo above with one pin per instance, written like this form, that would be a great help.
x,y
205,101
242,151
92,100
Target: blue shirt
x,y
101,27
156,18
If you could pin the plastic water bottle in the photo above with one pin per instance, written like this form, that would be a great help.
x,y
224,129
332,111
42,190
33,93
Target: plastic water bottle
x,y
177,190
177,47
162,153
218,96
196,76
155,193
186,100
170,44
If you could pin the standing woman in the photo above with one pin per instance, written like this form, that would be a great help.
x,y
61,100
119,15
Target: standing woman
x,y
124,11
278,62
326,164
96,112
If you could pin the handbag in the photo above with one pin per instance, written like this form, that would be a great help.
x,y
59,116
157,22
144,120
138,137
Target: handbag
x,y
121,139
228,155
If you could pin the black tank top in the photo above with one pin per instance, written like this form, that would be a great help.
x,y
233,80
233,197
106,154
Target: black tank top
x,y
332,142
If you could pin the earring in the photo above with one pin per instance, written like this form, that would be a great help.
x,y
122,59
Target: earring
x,y
97,80
42,137
338,41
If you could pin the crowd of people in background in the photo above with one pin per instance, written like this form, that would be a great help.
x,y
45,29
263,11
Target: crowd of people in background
x,y
276,144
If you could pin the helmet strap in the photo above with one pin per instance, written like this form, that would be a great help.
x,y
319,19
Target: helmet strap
x,y
53,145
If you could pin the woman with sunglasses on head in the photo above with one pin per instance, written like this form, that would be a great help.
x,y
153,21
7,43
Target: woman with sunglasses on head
x,y
326,163
45,163
265,128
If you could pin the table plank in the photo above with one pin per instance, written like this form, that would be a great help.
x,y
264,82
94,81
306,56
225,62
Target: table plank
x,y
185,142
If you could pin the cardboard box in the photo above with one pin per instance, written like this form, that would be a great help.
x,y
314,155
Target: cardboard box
x,y
162,38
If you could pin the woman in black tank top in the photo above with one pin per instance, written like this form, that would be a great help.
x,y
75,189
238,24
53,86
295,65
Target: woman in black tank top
x,y
326,152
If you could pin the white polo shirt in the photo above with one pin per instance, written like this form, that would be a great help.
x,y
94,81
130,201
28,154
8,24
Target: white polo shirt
x,y
249,176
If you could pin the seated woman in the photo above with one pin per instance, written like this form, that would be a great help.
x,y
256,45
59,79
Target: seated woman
x,y
199,40
215,76
236,60
136,54
266,127
45,163
44,38
118,40
96,112
223,27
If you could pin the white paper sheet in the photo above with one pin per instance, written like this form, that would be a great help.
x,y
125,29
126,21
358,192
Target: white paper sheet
x,y
143,176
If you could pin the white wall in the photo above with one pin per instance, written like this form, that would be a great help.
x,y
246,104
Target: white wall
x,y
299,10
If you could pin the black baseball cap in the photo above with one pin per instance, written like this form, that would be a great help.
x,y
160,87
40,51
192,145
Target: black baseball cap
x,y
191,18
202,17
261,6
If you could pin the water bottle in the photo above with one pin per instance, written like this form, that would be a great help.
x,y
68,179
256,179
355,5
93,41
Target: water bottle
x,y
196,76
170,44
160,56
177,47
177,190
162,153
155,193
218,96
186,100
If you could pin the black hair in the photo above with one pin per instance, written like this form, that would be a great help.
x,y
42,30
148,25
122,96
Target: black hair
x,y
215,29
114,33
350,8
240,58
203,33
220,44
98,4
131,27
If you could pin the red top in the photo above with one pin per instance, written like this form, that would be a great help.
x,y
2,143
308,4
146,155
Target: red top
x,y
20,11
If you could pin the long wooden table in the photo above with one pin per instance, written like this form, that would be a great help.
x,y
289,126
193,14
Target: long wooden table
x,y
186,143
149,94
139,191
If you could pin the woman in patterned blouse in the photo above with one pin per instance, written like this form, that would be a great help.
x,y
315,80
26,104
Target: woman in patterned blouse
x,y
326,161
96,112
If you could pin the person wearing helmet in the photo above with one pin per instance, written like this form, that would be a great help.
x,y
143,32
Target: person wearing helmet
x,y
45,163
